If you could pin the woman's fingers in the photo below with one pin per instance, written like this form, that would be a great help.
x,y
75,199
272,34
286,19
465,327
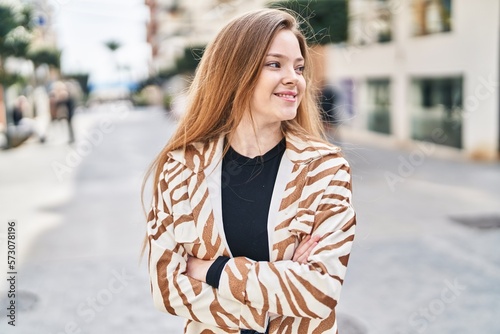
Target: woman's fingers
x,y
301,248
305,248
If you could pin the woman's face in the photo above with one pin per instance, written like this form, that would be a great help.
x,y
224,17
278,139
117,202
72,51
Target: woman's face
x,y
280,85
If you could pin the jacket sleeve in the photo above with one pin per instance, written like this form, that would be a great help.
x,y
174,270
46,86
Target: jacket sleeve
x,y
178,294
308,290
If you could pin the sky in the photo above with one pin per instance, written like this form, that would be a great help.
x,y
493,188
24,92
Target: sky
x,y
83,27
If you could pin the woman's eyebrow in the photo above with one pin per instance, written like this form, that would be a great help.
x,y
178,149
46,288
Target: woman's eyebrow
x,y
278,55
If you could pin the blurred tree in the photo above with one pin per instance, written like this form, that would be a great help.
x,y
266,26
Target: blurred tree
x,y
327,20
15,37
49,56
187,63
113,45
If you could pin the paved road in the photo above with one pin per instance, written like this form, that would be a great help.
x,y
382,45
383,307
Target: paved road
x,y
412,270
83,265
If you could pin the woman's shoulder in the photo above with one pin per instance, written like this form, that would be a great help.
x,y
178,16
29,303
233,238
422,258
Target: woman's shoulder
x,y
308,142
305,148
195,156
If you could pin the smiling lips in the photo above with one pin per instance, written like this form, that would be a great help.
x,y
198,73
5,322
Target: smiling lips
x,y
287,96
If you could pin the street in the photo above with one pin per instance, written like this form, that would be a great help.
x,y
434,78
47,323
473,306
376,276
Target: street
x,y
80,227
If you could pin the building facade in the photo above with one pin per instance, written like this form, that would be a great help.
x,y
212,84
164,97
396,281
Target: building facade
x,y
421,70
177,24
411,71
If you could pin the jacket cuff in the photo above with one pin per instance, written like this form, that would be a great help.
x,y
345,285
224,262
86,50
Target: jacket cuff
x,y
251,318
233,279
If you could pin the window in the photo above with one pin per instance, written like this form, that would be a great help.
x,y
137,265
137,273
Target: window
x,y
437,110
378,107
431,16
370,22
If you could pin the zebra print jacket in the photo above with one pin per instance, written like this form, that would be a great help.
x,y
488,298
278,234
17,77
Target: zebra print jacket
x,y
312,195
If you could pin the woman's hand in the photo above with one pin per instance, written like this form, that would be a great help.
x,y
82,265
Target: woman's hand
x,y
305,248
197,268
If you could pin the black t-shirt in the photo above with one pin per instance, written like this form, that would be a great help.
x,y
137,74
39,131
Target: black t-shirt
x,y
247,187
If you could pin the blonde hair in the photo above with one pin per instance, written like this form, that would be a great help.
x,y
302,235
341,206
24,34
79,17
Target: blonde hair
x,y
225,79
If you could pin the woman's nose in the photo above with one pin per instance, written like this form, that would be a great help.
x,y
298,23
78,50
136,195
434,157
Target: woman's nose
x,y
290,77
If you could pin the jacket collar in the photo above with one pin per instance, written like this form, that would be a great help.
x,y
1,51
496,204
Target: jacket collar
x,y
300,149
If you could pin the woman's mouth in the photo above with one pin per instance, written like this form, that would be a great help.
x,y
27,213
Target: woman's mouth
x,y
287,96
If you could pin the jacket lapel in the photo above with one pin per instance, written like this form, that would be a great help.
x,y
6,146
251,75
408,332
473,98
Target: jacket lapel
x,y
213,177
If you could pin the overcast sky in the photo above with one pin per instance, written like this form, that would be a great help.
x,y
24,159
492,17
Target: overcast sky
x,y
83,26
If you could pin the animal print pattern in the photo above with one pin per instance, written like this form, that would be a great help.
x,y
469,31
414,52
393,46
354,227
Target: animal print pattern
x,y
312,196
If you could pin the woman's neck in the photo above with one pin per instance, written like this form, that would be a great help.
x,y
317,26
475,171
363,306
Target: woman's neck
x,y
252,141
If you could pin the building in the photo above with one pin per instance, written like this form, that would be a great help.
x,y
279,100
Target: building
x,y
411,71
177,24
421,70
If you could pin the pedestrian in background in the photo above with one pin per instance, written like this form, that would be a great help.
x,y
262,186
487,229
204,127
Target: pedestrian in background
x,y
23,126
62,106
329,111
19,110
251,223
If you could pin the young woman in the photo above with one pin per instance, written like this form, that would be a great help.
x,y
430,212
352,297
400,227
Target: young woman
x,y
251,224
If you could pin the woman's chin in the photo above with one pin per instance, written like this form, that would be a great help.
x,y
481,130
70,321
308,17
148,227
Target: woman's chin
x,y
287,115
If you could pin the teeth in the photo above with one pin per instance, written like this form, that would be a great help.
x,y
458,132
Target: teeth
x,y
286,96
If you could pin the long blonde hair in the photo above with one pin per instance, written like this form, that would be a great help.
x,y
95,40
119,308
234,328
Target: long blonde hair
x,y
225,79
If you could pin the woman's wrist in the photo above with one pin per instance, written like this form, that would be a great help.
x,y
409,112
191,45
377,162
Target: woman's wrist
x,y
197,268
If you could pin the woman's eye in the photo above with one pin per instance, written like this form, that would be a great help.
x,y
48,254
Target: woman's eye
x,y
274,65
299,69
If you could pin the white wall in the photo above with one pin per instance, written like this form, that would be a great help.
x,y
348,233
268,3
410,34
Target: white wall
x,y
471,50
480,47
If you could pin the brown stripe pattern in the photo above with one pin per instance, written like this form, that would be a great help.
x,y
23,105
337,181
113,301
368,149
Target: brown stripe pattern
x,y
289,297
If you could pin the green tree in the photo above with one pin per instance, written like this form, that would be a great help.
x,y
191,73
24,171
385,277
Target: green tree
x,y
187,63
326,21
15,36
113,45
49,56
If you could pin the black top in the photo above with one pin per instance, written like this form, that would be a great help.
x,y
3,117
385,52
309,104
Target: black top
x,y
247,187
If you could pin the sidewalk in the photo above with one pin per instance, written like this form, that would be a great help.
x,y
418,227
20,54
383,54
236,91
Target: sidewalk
x,y
82,271
412,269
